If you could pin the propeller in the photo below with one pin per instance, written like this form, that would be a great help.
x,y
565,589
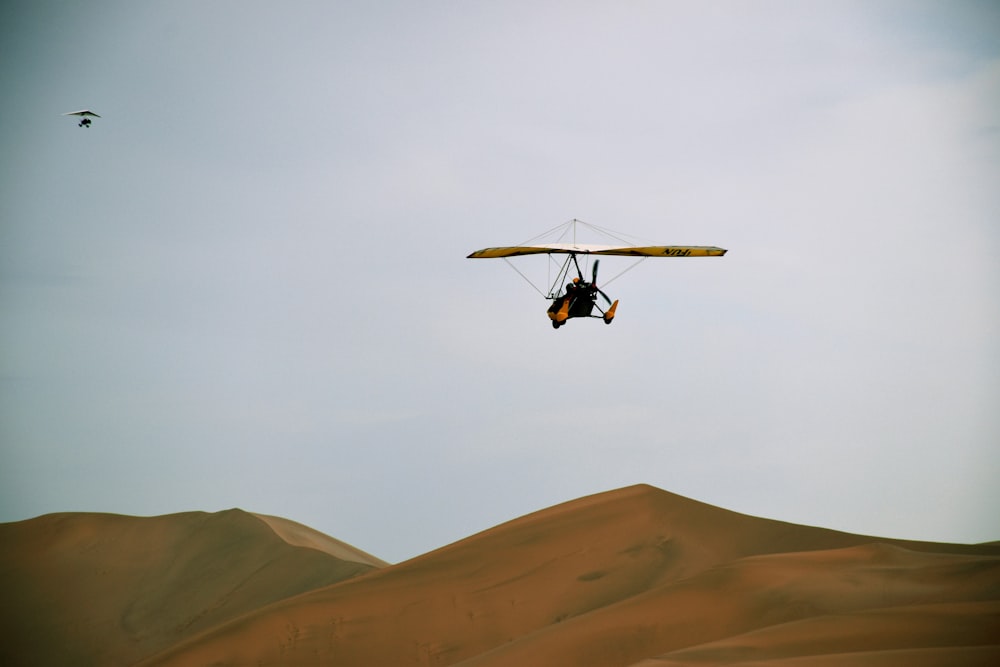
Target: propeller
x,y
593,282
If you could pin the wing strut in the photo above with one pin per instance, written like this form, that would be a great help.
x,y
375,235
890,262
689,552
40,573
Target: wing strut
x,y
533,286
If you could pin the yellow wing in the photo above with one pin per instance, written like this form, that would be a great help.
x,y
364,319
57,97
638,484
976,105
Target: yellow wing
x,y
574,248
666,251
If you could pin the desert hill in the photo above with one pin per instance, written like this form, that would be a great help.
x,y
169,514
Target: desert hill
x,y
637,576
104,589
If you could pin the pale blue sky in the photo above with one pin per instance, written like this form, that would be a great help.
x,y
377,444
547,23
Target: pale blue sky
x,y
246,284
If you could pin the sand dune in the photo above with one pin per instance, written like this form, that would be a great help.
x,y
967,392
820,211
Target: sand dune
x,y
103,589
633,577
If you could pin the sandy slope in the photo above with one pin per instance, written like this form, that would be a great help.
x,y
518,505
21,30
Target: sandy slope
x,y
612,579
717,611
82,589
941,632
635,577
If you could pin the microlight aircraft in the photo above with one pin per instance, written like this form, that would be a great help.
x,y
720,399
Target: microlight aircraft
x,y
84,115
572,295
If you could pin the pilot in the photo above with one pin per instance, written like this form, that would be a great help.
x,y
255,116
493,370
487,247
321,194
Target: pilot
x,y
573,289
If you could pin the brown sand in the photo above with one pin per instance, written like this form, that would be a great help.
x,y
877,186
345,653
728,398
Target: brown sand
x,y
104,589
633,577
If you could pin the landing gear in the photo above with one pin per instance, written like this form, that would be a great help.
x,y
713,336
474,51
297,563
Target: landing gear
x,y
85,123
609,314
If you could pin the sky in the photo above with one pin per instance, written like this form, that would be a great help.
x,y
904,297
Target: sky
x,y
246,284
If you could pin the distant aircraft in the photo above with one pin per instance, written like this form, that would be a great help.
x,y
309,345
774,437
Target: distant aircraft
x,y
83,114
579,298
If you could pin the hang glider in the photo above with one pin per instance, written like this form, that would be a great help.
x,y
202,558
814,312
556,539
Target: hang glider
x,y
579,297
85,116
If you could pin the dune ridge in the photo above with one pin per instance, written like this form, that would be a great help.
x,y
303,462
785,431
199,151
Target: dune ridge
x,y
299,535
635,577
